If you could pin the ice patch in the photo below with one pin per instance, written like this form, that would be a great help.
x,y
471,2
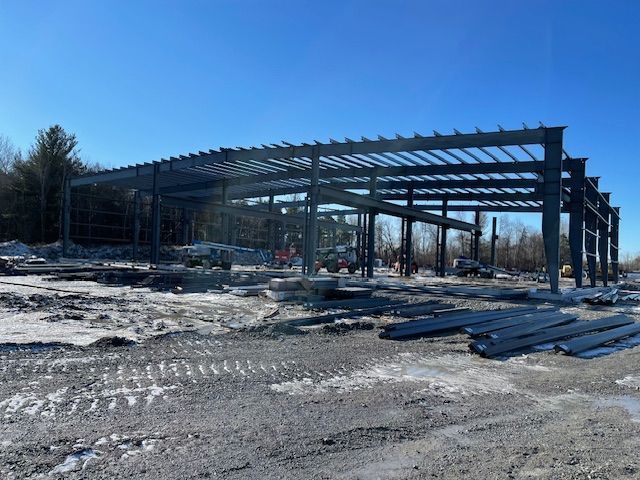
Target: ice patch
x,y
72,461
448,376
630,381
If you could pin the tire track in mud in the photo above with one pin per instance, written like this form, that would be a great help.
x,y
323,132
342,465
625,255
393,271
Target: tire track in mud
x,y
115,380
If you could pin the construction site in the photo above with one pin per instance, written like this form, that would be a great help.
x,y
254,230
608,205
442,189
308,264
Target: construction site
x,y
232,315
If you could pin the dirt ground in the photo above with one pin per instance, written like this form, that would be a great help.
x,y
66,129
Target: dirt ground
x,y
193,398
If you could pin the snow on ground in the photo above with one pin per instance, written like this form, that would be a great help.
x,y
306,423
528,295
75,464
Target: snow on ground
x,y
80,312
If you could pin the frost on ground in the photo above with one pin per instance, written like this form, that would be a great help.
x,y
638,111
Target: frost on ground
x,y
80,313
446,376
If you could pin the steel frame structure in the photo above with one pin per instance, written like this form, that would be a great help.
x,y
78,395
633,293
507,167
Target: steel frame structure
x,y
525,170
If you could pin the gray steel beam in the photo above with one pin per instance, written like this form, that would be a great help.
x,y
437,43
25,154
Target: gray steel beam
x,y
576,221
312,230
615,238
552,195
186,226
271,241
214,186
591,228
371,229
467,196
360,201
443,242
246,211
409,237
503,138
135,231
494,237
156,217
476,239
66,218
603,241
225,221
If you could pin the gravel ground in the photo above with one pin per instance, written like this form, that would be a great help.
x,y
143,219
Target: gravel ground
x,y
268,402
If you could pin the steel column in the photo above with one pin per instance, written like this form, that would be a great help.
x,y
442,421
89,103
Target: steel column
x,y
476,239
135,230
552,202
494,237
576,220
66,218
603,241
443,242
312,230
591,228
271,240
371,229
155,216
224,217
186,226
409,236
615,236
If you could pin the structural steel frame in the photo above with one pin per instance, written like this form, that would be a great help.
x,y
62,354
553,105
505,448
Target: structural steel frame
x,y
525,170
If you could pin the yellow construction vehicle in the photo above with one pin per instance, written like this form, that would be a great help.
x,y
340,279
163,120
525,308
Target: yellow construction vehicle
x,y
566,271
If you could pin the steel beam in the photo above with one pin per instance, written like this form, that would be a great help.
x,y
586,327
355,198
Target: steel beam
x,y
576,221
443,242
615,238
135,230
591,228
354,200
476,239
312,230
240,211
492,139
552,201
371,230
409,236
494,237
603,241
66,218
156,217
224,217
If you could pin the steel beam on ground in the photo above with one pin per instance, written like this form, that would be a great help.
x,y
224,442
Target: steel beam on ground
x,y
591,228
552,201
576,221
603,240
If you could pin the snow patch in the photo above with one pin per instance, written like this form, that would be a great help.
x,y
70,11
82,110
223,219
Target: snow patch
x,y
71,462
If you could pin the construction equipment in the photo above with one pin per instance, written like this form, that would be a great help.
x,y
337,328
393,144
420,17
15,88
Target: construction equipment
x,y
472,268
336,258
566,271
207,256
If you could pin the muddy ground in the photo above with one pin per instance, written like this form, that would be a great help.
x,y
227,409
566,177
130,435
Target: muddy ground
x,y
265,402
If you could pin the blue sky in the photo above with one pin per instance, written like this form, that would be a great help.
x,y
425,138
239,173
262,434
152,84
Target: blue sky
x,y
139,81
